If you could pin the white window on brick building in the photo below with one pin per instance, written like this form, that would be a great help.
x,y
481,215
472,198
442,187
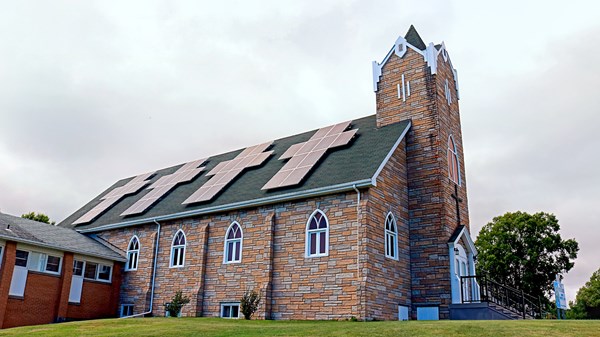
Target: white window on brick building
x,y
126,310
391,237
233,244
133,253
230,310
178,250
453,168
317,235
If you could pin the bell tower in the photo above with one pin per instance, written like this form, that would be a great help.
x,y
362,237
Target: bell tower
x,y
417,81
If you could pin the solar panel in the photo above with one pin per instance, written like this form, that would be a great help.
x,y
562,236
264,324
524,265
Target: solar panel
x,y
164,184
226,171
133,186
303,156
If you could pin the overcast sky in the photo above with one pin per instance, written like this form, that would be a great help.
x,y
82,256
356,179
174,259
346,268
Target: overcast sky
x,y
92,92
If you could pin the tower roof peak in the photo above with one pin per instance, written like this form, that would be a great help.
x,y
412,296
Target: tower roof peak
x,y
413,37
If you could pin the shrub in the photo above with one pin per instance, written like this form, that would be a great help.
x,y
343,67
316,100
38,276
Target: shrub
x,y
177,302
249,303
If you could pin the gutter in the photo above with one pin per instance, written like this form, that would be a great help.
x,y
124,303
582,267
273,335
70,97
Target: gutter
x,y
237,205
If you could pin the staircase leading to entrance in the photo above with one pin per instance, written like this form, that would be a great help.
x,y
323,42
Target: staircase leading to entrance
x,y
483,298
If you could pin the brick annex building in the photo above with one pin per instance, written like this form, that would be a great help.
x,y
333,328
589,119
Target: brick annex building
x,y
366,218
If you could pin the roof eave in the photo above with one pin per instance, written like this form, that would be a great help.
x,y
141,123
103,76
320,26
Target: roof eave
x,y
238,205
63,249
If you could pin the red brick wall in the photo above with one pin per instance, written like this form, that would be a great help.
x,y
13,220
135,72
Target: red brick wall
x,y
38,304
46,294
96,301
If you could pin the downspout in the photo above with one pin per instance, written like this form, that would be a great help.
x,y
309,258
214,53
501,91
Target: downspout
x,y
153,273
357,230
360,292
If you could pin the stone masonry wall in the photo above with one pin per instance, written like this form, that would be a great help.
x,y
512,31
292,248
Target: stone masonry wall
x,y
388,280
431,209
292,286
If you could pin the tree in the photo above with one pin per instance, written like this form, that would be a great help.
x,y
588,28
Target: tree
x,y
39,217
525,251
249,303
587,301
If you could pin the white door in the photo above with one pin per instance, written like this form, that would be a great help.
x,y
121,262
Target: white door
x,y
76,282
461,269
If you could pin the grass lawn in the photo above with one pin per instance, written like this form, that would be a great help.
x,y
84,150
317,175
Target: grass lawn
x,y
222,327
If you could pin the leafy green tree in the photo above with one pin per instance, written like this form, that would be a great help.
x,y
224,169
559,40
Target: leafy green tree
x,y
39,217
525,251
587,301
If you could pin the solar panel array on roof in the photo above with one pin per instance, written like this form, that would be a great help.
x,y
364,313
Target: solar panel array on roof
x,y
133,186
166,183
303,156
226,171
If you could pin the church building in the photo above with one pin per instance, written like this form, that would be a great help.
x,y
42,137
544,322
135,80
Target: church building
x,y
367,218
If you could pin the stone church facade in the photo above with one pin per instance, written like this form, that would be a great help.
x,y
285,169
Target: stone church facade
x,y
376,228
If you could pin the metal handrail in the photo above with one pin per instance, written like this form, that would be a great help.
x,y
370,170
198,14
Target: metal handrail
x,y
482,289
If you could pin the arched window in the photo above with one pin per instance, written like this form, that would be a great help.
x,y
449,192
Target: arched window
x,y
453,171
233,243
178,249
133,253
391,237
317,235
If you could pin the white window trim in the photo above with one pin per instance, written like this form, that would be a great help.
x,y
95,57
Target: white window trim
x,y
42,261
241,240
134,252
307,233
96,276
173,247
230,304
394,235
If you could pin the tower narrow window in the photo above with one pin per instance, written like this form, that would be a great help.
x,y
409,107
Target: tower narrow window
x,y
233,243
133,253
453,167
317,235
178,249
391,237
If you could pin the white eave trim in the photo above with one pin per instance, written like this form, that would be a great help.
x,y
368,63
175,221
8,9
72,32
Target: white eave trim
x,y
468,239
238,205
62,249
389,155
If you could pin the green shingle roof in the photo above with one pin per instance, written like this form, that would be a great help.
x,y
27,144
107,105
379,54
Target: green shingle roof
x,y
358,161
414,38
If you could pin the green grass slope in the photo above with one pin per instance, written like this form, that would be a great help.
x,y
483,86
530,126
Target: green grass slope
x,y
221,327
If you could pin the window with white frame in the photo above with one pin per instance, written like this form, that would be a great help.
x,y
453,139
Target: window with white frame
x,y
233,244
230,310
97,272
178,250
126,310
317,235
133,253
1,252
36,261
391,237
78,268
453,168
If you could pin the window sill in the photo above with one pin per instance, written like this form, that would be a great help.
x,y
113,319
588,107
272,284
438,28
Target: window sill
x,y
313,256
16,297
45,273
97,281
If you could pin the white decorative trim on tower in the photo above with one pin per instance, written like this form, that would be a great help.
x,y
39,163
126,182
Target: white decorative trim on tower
x,y
430,55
